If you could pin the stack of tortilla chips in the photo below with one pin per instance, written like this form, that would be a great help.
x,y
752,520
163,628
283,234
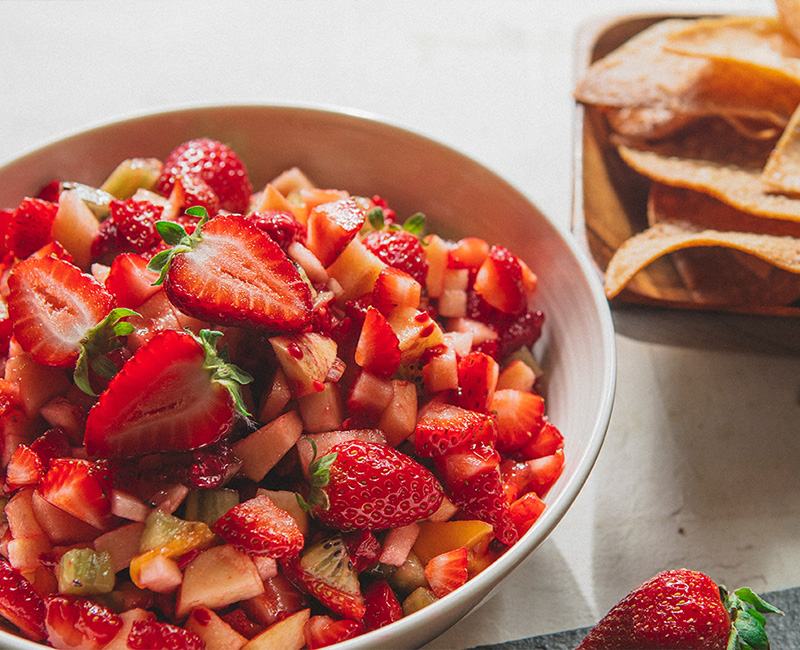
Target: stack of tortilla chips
x,y
707,111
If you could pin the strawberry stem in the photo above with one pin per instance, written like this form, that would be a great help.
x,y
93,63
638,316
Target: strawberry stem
x,y
179,240
229,375
746,610
97,343
319,475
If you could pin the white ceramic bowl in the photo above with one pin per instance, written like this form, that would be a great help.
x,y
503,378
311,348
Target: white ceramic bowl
x,y
459,197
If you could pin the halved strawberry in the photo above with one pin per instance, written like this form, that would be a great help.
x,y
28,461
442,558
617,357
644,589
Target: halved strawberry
x,y
477,380
146,635
383,607
80,487
20,603
324,570
400,249
130,227
332,226
444,426
499,281
519,418
29,226
176,393
228,271
280,225
78,623
447,571
214,163
378,348
260,527
321,631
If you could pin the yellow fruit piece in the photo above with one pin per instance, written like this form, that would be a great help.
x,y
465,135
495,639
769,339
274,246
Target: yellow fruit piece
x,y
437,537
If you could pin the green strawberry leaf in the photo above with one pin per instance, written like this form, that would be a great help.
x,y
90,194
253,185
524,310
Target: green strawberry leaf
x,y
319,475
376,218
751,632
415,224
229,375
97,343
180,241
747,595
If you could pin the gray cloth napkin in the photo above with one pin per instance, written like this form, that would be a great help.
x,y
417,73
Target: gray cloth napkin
x,y
783,631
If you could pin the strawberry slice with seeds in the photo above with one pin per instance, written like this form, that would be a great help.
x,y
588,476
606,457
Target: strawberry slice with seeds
x,y
79,623
519,418
378,348
20,603
477,380
148,634
24,468
80,487
383,607
213,163
30,226
444,426
176,393
129,281
260,527
499,281
230,272
447,571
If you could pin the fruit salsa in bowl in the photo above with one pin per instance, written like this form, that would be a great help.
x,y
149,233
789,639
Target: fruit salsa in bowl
x,y
281,377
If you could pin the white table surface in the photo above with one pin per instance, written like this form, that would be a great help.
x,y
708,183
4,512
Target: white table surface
x,y
700,464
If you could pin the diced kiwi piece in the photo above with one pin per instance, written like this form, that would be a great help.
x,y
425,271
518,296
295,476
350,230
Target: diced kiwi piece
x,y
209,505
165,531
96,199
409,576
84,571
419,598
132,174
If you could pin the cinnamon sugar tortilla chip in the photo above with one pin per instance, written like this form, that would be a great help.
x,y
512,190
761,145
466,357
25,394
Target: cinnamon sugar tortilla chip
x,y
789,14
737,186
642,74
667,203
782,172
655,242
759,42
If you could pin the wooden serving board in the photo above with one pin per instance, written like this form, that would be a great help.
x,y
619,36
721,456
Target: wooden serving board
x,y
610,199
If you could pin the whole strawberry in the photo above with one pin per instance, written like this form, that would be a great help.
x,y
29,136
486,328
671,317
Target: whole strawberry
x,y
362,485
683,610
213,163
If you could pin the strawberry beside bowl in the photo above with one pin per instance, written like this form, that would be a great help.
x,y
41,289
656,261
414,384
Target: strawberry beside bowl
x,y
412,174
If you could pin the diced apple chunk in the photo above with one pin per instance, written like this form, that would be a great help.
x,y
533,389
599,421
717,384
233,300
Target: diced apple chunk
x,y
75,228
416,331
356,270
399,419
305,359
436,250
286,634
287,500
218,577
323,410
262,449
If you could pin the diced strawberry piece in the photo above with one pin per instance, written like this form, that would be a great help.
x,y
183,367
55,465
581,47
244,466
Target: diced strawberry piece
x,y
213,466
400,249
236,274
54,249
165,398
544,443
146,635
378,348
332,226
526,510
383,607
499,281
20,603
363,548
447,571
280,225
78,623
258,526
214,163
398,543
444,426
280,598
129,280
29,226
468,253
535,475
80,487
321,631
24,468
53,443
395,289
519,418
53,304
462,463
130,227
477,380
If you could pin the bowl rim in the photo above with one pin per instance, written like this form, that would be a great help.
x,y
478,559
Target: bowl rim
x,y
487,581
